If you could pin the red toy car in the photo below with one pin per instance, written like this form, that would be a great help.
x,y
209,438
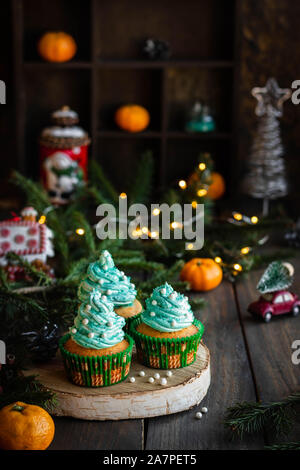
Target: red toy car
x,y
275,303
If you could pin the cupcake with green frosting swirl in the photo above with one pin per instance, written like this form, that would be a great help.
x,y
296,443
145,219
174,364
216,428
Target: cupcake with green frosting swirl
x,y
114,284
96,351
167,335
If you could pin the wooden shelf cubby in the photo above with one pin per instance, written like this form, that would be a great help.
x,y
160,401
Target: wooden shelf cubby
x,y
109,70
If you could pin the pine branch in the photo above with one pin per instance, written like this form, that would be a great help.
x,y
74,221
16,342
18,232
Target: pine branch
x,y
137,263
77,270
3,279
88,237
37,276
252,418
99,180
28,390
284,446
35,194
141,186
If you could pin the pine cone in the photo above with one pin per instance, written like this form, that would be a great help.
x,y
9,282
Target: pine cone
x,y
42,344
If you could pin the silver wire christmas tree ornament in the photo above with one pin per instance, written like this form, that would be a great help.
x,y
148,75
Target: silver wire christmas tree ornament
x,y
266,177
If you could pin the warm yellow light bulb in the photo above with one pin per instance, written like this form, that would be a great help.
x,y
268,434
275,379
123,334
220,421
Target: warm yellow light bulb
x,y
144,229
245,250
175,225
202,166
202,192
153,234
182,184
190,246
218,259
80,231
123,195
237,216
194,204
42,219
254,219
156,211
237,267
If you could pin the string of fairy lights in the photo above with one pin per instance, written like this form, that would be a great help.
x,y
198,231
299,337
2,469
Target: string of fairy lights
x,y
144,232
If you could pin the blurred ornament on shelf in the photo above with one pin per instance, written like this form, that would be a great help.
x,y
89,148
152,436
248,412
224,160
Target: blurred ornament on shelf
x,y
57,46
266,177
292,236
156,49
205,181
63,155
199,118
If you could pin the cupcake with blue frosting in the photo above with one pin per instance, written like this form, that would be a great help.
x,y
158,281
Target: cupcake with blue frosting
x,y
167,334
114,284
96,351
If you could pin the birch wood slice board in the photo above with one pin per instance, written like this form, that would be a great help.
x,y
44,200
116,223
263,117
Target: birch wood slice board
x,y
141,399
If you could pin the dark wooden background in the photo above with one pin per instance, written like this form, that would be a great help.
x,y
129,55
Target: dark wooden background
x,y
267,39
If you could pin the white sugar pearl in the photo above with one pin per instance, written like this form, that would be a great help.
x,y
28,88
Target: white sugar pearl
x,y
156,375
85,321
122,273
173,322
132,285
109,323
101,281
163,381
154,302
91,335
132,380
88,308
105,267
109,292
152,314
163,291
198,415
169,373
151,380
74,331
104,298
204,409
142,373
172,296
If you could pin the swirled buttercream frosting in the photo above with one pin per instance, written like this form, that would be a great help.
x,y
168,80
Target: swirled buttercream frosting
x,y
96,325
167,310
111,282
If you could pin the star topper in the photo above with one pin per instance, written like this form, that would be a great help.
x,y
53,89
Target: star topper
x,y
270,98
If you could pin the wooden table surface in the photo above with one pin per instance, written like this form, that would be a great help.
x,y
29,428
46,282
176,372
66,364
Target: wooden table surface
x,y
251,360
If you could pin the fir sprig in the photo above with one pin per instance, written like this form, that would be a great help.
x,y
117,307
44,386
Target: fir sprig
x,y
37,276
253,418
284,446
142,183
98,180
80,221
28,390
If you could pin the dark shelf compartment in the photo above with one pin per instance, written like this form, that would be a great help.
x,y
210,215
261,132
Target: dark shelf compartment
x,y
109,71
72,17
163,64
199,135
195,29
106,134
74,64
116,88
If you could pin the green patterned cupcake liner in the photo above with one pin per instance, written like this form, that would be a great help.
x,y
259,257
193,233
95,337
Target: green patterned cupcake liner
x,y
166,353
130,321
96,371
